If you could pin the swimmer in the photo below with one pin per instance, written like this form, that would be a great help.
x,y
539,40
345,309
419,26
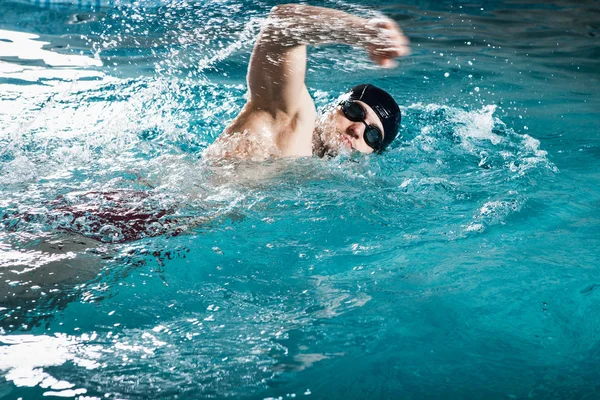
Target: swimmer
x,y
280,118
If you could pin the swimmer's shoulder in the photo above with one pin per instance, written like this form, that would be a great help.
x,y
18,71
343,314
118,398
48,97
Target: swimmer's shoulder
x,y
261,132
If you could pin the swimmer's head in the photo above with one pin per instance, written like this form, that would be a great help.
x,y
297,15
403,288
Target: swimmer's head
x,y
366,120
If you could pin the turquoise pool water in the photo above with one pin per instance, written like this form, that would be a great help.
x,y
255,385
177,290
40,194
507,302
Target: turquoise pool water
x,y
463,263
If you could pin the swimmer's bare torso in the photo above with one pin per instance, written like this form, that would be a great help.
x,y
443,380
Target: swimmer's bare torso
x,y
280,119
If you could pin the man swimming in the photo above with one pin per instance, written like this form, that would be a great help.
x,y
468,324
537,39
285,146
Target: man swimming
x,y
280,119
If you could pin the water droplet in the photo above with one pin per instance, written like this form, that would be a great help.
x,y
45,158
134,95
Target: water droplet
x,y
217,250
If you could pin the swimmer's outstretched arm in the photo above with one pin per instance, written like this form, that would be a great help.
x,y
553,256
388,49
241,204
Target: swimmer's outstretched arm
x,y
278,64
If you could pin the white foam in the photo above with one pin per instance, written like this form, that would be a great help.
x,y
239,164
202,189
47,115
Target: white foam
x,y
475,125
23,358
21,169
481,134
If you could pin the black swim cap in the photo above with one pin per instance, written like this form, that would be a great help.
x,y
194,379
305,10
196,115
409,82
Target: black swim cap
x,y
384,106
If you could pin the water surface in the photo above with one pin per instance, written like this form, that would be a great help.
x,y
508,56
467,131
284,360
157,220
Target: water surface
x,y
460,264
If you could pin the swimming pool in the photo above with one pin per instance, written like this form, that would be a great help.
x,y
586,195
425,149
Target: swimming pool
x,y
463,263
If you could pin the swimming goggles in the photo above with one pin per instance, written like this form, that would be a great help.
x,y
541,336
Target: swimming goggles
x,y
356,113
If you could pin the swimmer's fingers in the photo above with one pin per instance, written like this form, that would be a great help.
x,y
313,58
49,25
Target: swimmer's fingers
x,y
388,52
384,57
385,62
389,42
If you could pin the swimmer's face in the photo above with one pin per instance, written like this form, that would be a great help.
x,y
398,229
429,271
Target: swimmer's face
x,y
340,135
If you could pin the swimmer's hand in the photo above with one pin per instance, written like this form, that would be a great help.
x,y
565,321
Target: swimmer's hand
x,y
386,42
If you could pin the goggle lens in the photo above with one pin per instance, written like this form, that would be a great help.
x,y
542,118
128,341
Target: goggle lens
x,y
353,111
373,137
